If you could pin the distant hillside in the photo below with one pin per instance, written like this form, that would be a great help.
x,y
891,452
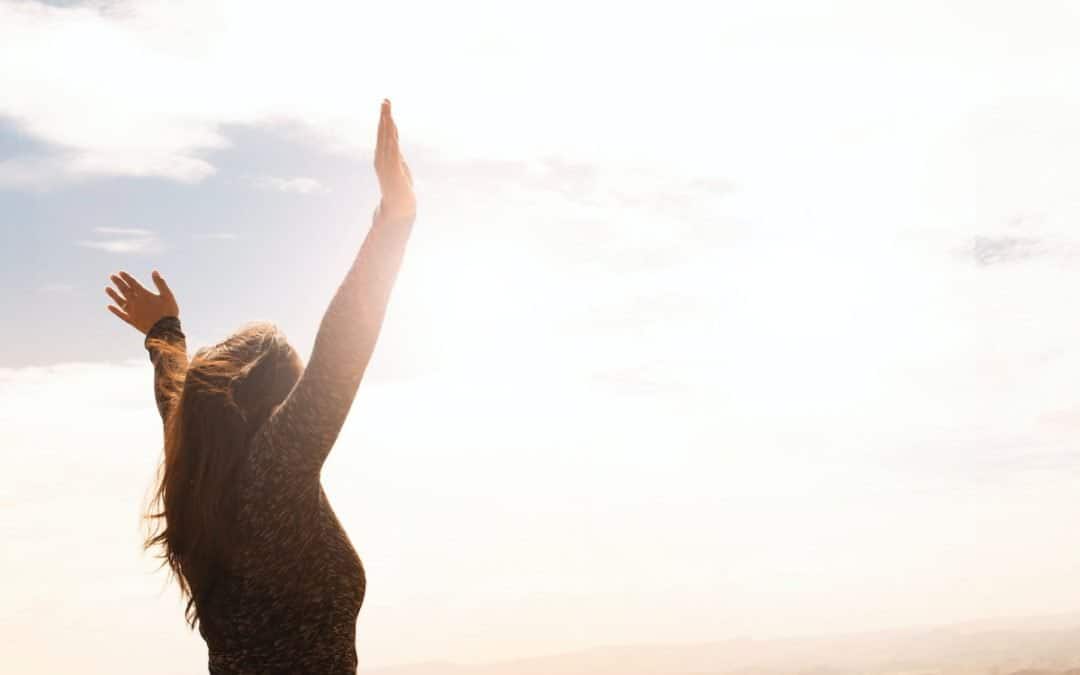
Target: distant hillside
x,y
971,649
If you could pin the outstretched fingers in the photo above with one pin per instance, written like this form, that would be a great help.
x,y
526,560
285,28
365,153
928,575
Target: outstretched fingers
x,y
123,315
120,284
116,297
133,283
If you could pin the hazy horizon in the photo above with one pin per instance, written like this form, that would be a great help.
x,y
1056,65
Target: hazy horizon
x,y
716,321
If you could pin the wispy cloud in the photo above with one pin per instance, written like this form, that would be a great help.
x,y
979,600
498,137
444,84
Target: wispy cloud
x,y
59,169
1011,249
126,231
988,250
123,240
156,83
301,185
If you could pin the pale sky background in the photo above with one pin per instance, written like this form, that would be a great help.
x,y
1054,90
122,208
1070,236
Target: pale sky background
x,y
718,319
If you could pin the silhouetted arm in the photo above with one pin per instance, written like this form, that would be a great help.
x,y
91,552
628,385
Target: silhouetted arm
x,y
301,432
168,352
293,443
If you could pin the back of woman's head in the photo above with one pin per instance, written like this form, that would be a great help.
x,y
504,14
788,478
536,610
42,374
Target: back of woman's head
x,y
248,374
228,391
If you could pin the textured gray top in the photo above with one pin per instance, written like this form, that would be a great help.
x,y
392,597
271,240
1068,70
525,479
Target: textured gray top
x,y
292,603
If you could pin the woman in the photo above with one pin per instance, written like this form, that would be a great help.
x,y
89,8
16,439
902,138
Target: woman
x,y
270,575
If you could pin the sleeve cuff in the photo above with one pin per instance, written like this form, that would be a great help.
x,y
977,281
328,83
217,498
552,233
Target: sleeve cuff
x,y
165,328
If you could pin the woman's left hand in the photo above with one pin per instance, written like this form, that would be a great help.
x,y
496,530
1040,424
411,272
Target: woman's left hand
x,y
139,307
395,181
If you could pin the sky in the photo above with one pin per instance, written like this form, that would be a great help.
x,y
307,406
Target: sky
x,y
747,319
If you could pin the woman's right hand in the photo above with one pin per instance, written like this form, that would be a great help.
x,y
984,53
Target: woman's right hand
x,y
395,181
139,307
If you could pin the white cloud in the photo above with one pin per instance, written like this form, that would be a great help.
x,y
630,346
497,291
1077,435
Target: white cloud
x,y
797,97
122,245
298,185
123,240
41,173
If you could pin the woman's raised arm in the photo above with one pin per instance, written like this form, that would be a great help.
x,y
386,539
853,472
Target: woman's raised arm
x,y
304,427
157,316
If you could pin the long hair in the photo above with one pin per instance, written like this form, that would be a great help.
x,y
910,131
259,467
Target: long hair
x,y
222,399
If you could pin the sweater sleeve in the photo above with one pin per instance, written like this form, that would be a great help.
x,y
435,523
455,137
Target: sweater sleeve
x,y
295,441
168,352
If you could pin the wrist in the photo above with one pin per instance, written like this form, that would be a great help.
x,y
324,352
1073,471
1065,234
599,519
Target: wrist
x,y
165,326
396,216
